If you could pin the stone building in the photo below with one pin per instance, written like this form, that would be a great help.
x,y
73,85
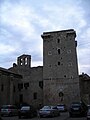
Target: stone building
x,y
8,86
30,88
60,67
57,81
85,87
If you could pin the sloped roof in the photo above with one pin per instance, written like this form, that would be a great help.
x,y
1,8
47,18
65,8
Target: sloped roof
x,y
9,72
84,76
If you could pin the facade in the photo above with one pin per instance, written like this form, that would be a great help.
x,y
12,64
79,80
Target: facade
x,y
60,68
30,88
57,81
85,87
8,86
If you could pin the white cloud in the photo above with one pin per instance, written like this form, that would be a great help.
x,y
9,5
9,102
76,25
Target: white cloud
x,y
84,68
5,49
23,22
37,63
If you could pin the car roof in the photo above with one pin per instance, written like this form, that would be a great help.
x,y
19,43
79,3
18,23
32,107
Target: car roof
x,y
48,106
61,105
25,106
7,105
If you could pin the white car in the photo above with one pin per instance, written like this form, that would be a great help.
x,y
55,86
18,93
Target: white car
x,y
62,107
49,111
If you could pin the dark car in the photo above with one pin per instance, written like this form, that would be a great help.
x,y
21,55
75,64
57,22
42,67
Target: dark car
x,y
62,107
48,111
9,110
77,109
88,113
0,114
0,118
27,111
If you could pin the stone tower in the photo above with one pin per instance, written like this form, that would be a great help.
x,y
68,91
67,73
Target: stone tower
x,y
60,68
24,60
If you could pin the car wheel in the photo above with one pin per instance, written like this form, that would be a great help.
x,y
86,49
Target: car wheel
x,y
10,114
70,115
53,115
19,117
88,118
58,114
31,115
40,116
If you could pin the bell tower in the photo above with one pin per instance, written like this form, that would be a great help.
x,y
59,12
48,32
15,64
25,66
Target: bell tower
x,y
24,60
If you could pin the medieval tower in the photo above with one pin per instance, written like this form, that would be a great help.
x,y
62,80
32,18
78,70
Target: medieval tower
x,y
60,68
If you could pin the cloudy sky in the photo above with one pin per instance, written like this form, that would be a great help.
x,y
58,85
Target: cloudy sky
x,y
23,21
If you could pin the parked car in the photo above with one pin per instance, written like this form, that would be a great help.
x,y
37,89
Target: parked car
x,y
0,114
48,111
88,113
62,107
9,110
27,111
77,109
1,118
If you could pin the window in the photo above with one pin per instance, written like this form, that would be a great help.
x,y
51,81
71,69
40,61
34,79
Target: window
x,y
49,53
68,51
61,94
21,98
50,78
58,63
70,64
14,88
58,40
41,84
65,76
71,76
58,50
26,61
2,87
35,96
76,43
21,60
26,85
20,86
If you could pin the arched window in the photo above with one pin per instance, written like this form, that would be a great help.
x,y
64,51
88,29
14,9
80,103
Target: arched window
x,y
61,94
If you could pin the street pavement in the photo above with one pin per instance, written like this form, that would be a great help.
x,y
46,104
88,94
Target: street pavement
x,y
63,116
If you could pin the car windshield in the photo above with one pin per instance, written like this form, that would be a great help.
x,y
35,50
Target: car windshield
x,y
60,105
25,108
49,107
7,107
53,107
88,106
46,107
89,110
76,105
